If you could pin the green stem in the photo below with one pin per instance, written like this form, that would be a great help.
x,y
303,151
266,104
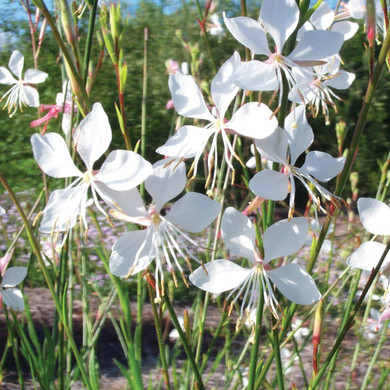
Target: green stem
x,y
184,341
160,338
255,347
144,97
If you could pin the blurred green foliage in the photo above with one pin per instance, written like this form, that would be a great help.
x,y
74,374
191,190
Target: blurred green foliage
x,y
163,19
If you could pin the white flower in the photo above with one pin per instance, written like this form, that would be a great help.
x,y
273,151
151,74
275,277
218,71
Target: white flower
x,y
11,295
317,90
281,239
280,19
122,170
284,146
251,120
164,239
375,217
21,94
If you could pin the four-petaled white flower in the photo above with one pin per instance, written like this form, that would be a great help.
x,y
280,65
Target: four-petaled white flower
x,y
164,239
284,146
280,19
21,94
12,276
122,170
251,120
281,239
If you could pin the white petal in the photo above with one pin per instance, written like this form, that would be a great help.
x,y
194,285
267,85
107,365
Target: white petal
x,y
13,276
374,215
284,238
187,142
128,202
131,246
193,212
280,18
253,120
63,208
308,48
269,184
16,63
274,147
13,297
347,28
256,76
222,275
6,77
238,234
31,96
367,256
2,211
124,170
93,135
295,284
187,98
249,33
52,155
322,17
322,166
342,80
34,76
223,89
300,134
166,182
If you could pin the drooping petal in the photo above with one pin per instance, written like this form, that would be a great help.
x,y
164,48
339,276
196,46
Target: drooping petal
x,y
93,135
249,33
223,89
269,184
52,155
63,208
256,76
322,166
284,238
253,120
34,76
193,212
374,215
166,182
295,284
280,18
367,256
16,63
238,234
124,170
300,134
186,142
341,80
222,275
187,98
13,276
31,96
132,249
308,48
274,147
13,297
6,77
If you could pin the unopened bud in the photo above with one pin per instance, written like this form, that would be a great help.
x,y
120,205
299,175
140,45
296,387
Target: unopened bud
x,y
317,333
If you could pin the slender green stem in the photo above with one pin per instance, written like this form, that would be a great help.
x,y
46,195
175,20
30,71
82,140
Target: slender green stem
x,y
144,97
160,338
256,343
184,341
88,46
276,348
